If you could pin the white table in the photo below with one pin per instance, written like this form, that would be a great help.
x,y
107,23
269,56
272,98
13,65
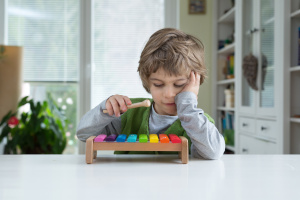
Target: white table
x,y
142,177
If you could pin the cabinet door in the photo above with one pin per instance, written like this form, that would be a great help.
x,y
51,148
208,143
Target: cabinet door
x,y
258,33
266,65
247,93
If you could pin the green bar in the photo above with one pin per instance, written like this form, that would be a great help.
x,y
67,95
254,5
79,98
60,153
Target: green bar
x,y
143,138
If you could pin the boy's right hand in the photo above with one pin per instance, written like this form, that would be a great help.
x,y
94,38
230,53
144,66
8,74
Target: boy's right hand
x,y
117,104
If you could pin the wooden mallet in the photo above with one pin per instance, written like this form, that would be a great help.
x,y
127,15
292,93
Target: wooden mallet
x,y
145,103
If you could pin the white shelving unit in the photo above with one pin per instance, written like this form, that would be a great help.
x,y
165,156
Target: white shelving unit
x,y
227,49
294,73
228,17
265,119
226,82
295,120
224,27
295,68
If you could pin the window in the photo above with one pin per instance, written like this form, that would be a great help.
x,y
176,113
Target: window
x,y
49,33
53,36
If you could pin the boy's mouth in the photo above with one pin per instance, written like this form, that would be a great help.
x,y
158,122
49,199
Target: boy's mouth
x,y
170,104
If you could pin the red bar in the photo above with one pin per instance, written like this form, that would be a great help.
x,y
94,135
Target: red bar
x,y
174,138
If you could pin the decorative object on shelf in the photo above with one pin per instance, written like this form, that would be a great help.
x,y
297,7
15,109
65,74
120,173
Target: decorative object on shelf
x,y
197,6
228,68
42,130
11,61
229,98
250,67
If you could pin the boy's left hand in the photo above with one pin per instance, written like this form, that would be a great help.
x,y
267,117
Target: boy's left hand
x,y
193,83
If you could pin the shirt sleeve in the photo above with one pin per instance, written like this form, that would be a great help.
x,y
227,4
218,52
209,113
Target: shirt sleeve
x,y
207,142
96,122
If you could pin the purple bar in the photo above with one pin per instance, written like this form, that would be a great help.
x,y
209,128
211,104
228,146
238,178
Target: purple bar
x,y
100,138
111,138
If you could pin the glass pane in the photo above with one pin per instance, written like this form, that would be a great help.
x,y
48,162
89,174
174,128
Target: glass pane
x,y
267,54
247,91
121,30
49,33
65,95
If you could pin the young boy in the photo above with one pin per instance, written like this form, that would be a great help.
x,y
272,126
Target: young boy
x,y
171,68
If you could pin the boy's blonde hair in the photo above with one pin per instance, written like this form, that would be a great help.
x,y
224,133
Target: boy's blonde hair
x,y
174,51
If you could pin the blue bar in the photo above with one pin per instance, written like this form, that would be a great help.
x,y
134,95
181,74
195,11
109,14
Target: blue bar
x,y
121,138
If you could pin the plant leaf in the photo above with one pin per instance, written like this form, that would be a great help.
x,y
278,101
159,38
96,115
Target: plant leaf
x,y
23,101
6,117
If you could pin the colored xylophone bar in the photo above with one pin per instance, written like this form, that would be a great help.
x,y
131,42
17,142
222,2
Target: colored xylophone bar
x,y
121,142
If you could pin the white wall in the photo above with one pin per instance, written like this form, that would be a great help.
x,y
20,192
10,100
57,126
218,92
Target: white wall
x,y
200,26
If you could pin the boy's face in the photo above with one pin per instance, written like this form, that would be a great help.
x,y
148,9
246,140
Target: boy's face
x,y
163,89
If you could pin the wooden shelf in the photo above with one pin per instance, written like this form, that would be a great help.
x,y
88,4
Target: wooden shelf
x,y
295,69
295,14
225,82
295,120
228,17
225,109
227,49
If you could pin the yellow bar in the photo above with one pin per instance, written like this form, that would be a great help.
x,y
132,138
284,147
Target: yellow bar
x,y
153,138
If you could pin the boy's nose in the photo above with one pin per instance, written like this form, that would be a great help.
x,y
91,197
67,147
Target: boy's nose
x,y
169,93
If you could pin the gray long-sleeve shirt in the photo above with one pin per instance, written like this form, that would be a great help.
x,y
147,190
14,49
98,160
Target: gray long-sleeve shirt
x,y
207,142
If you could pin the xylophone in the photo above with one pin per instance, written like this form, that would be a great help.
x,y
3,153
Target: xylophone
x,y
121,142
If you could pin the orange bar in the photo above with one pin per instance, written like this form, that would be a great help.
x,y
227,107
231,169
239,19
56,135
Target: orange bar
x,y
163,138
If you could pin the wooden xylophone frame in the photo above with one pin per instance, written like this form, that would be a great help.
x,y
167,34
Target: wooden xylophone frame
x,y
92,148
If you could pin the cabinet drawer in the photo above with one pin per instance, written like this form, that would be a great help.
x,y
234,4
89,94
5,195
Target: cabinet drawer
x,y
266,129
252,145
247,125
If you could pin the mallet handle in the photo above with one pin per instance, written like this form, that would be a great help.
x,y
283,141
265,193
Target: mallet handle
x,y
145,103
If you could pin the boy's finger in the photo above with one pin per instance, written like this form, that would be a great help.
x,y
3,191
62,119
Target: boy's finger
x,y
122,103
192,77
127,100
116,107
197,78
109,108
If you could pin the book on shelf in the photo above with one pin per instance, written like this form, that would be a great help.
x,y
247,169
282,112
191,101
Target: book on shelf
x,y
298,45
227,126
227,120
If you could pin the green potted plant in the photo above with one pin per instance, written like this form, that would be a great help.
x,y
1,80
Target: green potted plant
x,y
2,50
39,131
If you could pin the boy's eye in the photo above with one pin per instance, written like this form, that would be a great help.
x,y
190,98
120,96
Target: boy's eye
x,y
158,85
178,86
